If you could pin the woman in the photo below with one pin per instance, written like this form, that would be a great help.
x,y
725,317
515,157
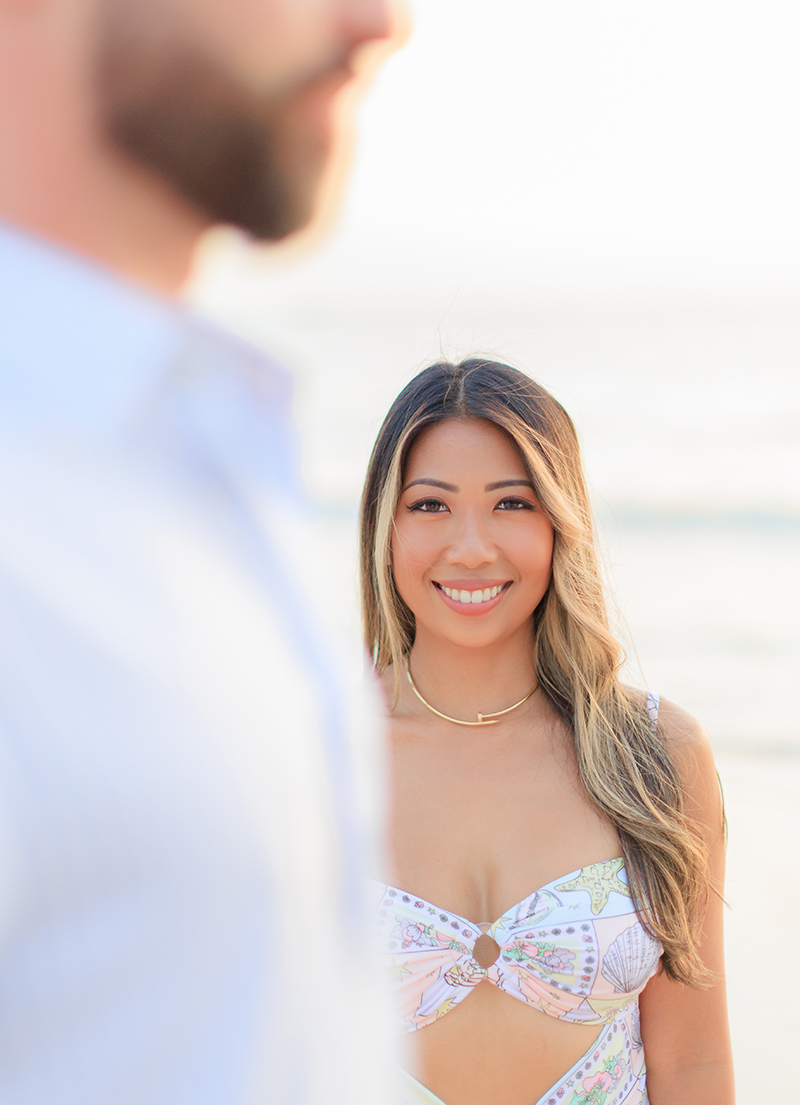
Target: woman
x,y
554,912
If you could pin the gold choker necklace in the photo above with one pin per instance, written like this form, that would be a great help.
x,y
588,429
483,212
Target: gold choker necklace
x,y
483,719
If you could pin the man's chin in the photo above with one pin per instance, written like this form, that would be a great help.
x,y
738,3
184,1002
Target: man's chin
x,y
301,173
233,156
307,141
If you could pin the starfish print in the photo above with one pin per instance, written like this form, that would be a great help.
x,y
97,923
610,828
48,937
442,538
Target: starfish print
x,y
398,969
599,880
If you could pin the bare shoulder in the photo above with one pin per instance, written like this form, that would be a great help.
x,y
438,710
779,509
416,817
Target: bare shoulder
x,y
690,751
685,738
693,756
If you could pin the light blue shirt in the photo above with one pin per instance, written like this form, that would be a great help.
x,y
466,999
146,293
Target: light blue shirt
x,y
180,817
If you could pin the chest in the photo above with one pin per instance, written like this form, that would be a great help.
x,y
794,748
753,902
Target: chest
x,y
481,822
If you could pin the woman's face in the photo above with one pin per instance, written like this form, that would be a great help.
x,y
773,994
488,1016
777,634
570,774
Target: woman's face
x,y
472,550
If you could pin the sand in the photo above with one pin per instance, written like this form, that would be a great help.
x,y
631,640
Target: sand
x,y
762,795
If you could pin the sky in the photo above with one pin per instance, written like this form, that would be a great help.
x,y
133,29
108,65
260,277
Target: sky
x,y
577,143
604,193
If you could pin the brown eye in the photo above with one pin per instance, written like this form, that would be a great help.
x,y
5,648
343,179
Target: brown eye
x,y
513,503
429,506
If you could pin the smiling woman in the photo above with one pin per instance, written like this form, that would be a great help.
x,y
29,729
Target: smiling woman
x,y
575,849
475,526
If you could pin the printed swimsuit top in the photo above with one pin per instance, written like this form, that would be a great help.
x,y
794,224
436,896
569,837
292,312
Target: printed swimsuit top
x,y
575,948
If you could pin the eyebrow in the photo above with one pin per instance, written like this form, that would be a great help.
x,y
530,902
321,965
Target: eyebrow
x,y
432,483
509,483
429,482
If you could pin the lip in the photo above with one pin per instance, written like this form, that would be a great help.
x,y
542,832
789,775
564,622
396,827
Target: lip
x,y
468,609
329,82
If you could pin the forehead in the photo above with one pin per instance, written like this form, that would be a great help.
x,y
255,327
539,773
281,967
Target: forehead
x,y
471,446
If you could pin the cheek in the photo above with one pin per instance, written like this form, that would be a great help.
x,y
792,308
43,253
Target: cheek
x,y
401,571
410,557
267,45
536,555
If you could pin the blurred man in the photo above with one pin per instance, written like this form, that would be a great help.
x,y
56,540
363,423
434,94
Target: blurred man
x,y
180,819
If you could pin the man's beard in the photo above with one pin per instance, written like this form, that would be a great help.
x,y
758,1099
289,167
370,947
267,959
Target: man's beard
x,y
229,152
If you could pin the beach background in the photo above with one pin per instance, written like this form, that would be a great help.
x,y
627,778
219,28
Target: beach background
x,y
605,196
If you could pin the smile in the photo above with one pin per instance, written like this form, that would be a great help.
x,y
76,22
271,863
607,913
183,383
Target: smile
x,y
467,597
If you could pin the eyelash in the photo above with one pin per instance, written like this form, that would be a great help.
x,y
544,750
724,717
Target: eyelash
x,y
424,505
421,505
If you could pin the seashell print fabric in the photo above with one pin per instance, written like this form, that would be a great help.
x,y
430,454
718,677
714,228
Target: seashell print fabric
x,y
574,949
630,961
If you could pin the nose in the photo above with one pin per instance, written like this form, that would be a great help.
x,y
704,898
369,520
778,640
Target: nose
x,y
372,20
471,546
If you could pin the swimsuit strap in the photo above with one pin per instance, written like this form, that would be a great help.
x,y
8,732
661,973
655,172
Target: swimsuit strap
x,y
652,708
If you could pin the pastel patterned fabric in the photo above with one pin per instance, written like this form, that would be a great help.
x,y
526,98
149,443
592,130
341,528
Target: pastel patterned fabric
x,y
574,949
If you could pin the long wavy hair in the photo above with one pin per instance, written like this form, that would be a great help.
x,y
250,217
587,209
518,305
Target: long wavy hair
x,y
624,765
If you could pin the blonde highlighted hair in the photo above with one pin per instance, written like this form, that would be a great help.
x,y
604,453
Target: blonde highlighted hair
x,y
624,765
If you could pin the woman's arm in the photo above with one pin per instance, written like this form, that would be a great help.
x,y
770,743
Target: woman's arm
x,y
684,1028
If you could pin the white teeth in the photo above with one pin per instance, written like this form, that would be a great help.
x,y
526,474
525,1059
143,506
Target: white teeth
x,y
468,597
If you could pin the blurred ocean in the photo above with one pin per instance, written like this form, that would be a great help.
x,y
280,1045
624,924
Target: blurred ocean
x,y
534,183
689,415
606,196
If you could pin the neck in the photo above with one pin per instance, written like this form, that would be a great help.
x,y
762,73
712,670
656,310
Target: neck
x,y
463,682
112,215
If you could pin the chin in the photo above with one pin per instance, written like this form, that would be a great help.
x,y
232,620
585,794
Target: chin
x,y
472,636
303,158
303,189
234,156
